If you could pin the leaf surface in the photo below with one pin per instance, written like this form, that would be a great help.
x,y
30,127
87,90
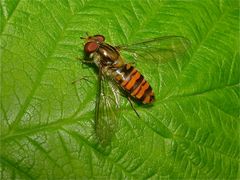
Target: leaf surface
x,y
47,124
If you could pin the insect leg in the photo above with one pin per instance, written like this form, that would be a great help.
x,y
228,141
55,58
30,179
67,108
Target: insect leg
x,y
84,60
130,101
82,78
87,35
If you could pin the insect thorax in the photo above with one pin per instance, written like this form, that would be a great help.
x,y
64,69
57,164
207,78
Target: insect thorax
x,y
108,65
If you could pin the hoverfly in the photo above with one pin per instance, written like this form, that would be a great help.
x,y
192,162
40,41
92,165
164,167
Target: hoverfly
x,y
112,71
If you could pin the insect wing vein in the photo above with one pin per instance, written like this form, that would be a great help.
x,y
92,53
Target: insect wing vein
x,y
106,109
161,49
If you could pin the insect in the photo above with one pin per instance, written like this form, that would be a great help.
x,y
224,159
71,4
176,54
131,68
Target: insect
x,y
113,70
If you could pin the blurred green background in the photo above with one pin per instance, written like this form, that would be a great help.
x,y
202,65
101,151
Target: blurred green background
x,y
47,124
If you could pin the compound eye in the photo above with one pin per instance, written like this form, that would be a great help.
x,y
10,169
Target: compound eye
x,y
90,47
100,38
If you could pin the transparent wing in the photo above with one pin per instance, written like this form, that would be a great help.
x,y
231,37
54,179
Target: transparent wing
x,y
161,49
106,109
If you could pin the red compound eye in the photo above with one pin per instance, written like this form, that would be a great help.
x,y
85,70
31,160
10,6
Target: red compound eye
x,y
100,38
91,47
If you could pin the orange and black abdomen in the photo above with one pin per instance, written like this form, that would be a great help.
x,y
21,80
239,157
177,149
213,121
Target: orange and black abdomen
x,y
134,84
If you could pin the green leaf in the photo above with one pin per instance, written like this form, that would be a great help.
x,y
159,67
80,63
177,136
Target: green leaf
x,y
47,124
